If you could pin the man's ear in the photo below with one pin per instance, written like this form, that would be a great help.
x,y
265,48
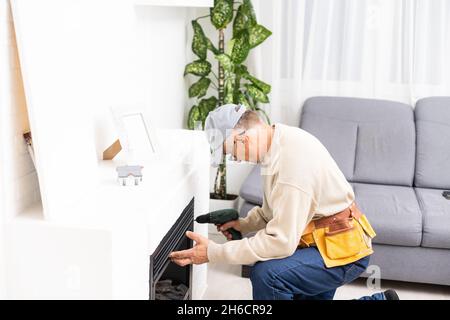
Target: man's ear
x,y
242,147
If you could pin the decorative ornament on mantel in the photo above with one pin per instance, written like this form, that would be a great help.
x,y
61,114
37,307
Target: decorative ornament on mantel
x,y
233,83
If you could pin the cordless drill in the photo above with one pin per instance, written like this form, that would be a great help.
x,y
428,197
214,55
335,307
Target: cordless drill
x,y
221,217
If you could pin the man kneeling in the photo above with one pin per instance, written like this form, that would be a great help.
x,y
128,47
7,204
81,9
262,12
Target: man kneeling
x,y
311,238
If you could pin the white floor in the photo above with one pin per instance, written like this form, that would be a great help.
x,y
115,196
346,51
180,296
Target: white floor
x,y
226,283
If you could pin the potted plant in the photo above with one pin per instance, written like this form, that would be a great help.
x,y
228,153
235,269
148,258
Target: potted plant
x,y
233,83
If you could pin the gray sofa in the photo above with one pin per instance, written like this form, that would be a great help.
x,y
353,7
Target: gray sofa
x,y
397,159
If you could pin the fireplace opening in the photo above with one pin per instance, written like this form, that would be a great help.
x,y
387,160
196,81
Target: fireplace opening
x,y
169,281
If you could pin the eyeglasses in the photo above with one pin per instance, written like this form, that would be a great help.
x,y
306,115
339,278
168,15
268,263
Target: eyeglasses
x,y
242,138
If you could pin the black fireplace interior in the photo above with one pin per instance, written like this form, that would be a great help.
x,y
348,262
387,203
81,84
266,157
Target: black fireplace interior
x,y
168,281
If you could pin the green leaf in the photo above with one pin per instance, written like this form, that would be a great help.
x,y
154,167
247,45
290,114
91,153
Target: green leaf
x,y
264,114
200,112
241,48
250,100
256,93
199,68
249,11
199,88
228,97
193,117
199,42
245,18
264,87
229,47
229,89
221,13
258,34
205,106
225,61
242,99
241,21
241,70
211,47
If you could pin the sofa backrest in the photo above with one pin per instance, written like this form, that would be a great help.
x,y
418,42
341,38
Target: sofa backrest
x,y
433,143
371,140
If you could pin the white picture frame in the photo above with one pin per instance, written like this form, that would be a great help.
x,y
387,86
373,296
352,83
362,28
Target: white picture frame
x,y
136,134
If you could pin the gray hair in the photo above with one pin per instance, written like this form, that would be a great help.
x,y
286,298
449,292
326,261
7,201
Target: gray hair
x,y
248,119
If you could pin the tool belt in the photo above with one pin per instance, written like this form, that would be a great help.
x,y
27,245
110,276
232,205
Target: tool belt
x,y
342,238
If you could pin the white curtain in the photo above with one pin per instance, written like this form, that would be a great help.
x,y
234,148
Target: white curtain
x,y
386,49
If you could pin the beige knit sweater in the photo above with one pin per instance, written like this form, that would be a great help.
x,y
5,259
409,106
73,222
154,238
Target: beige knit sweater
x,y
301,182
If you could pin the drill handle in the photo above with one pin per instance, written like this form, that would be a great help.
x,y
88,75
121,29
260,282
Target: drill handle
x,y
235,235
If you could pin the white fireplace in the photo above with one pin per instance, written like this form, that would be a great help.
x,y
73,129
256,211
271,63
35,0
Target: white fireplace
x,y
100,247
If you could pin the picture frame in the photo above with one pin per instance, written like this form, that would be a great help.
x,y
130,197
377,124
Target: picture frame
x,y
136,134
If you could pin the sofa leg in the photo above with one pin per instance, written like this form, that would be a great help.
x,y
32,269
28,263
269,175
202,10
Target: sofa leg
x,y
245,273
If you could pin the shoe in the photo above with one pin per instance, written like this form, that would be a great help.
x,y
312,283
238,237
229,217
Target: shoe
x,y
391,295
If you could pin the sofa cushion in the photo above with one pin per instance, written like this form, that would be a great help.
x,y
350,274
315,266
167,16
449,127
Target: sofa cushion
x,y
371,140
251,189
338,136
436,218
433,141
412,264
393,212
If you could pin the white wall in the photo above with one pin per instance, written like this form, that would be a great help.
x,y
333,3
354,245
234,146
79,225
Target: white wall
x,y
153,75
162,39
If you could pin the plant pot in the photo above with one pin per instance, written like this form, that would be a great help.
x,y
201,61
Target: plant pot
x,y
231,202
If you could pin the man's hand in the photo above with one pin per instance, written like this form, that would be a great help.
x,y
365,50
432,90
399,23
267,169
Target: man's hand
x,y
235,224
196,255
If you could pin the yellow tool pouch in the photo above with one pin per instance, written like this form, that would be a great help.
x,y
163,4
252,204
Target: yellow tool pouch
x,y
342,238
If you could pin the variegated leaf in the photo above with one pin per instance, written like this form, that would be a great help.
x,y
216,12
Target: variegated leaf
x,y
256,93
264,87
199,88
229,89
225,61
199,42
242,99
221,13
257,35
207,105
199,68
241,48
193,117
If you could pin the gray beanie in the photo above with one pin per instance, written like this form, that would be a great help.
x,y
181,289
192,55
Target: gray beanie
x,y
218,127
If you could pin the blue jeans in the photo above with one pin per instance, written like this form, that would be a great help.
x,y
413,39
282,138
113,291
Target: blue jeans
x,y
303,276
